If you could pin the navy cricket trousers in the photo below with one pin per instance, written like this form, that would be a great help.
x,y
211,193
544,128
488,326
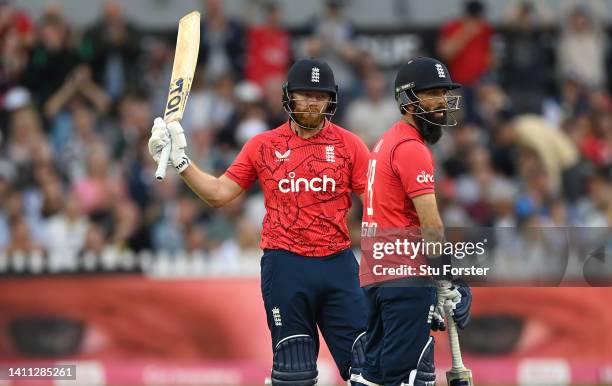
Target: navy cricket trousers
x,y
301,293
398,329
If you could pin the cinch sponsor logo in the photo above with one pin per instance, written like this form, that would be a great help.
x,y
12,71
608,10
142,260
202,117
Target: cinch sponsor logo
x,y
294,185
424,177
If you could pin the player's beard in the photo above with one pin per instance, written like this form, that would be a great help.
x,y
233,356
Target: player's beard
x,y
309,120
430,125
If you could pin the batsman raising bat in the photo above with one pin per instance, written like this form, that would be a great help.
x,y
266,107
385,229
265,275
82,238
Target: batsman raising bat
x,y
307,169
400,197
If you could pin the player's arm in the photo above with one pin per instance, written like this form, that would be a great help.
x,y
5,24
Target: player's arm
x,y
361,157
413,163
426,207
214,191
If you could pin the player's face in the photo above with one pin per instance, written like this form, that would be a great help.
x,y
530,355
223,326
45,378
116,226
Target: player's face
x,y
432,100
309,106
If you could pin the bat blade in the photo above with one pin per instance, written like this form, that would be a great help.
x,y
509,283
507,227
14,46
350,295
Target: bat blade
x,y
183,70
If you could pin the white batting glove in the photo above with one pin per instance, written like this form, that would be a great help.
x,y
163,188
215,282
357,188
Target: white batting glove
x,y
162,134
159,139
448,298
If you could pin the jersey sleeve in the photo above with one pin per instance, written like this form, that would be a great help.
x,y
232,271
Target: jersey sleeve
x,y
411,161
360,165
242,171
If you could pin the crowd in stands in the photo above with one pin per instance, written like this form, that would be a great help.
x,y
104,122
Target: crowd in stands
x,y
533,147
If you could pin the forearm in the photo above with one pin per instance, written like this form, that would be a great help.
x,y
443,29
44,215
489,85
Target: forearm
x,y
97,96
450,47
58,100
436,258
209,188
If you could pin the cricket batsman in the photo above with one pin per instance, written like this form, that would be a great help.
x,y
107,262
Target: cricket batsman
x,y
400,199
307,169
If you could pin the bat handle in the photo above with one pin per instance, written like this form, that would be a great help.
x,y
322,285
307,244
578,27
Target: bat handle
x,y
453,338
160,173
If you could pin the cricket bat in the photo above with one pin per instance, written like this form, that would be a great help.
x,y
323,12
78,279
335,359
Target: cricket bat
x,y
183,68
458,375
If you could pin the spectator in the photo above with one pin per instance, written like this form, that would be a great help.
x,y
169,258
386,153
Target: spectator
x,y
126,225
95,240
595,209
51,191
99,190
272,93
112,47
240,254
66,231
78,89
72,151
25,132
597,144
252,116
7,176
528,57
158,70
554,149
331,41
201,98
222,43
369,116
473,188
504,151
492,103
23,225
223,113
268,52
582,47
16,39
465,44
195,240
169,233
52,58
465,137
571,102
133,127
21,240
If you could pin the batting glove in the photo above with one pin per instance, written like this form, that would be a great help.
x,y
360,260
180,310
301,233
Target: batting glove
x,y
454,299
437,321
172,133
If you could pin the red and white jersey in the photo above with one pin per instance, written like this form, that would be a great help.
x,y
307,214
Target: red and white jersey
x,y
401,168
306,185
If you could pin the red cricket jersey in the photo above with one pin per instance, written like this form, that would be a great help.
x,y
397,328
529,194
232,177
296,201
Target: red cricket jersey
x,y
401,167
306,185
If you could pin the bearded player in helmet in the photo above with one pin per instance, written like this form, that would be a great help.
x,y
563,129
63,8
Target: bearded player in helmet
x,y
400,202
307,169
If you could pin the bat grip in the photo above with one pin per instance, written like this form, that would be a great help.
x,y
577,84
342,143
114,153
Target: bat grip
x,y
160,173
453,339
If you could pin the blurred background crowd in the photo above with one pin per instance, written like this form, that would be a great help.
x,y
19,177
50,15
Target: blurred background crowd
x,y
533,146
